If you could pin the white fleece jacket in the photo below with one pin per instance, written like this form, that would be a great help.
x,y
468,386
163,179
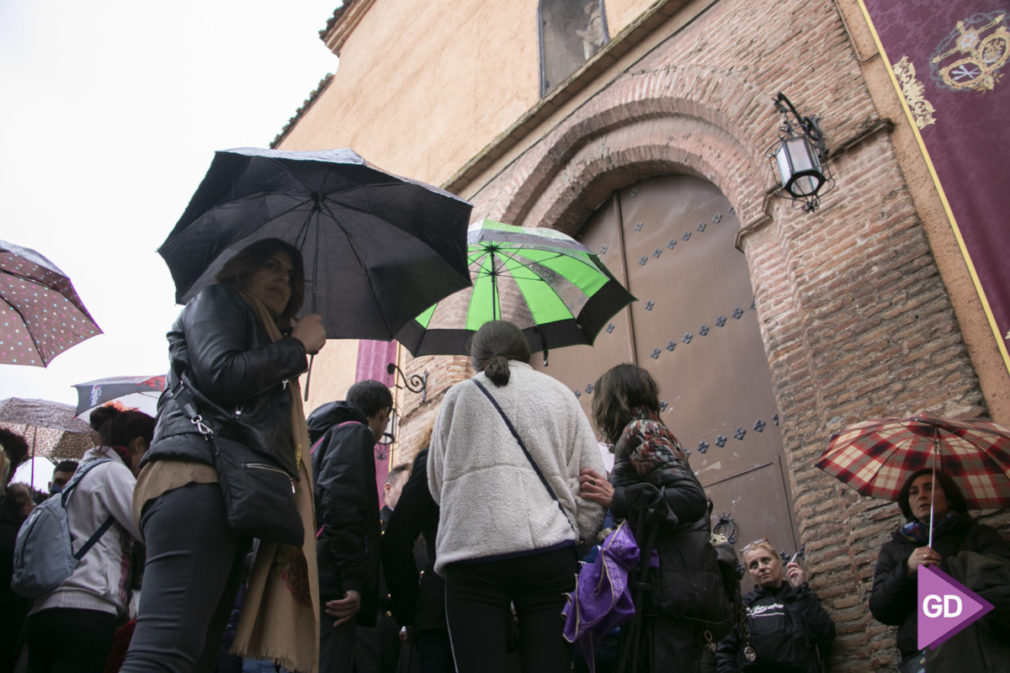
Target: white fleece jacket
x,y
99,582
492,502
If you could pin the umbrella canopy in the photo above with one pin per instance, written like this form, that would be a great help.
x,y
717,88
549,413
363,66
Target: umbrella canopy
x,y
50,428
550,285
40,313
126,392
878,456
378,249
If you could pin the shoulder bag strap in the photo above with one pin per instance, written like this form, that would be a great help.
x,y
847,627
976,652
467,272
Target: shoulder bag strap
x,y
65,499
526,452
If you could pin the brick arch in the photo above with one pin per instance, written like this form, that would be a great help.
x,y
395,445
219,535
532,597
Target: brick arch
x,y
638,151
728,137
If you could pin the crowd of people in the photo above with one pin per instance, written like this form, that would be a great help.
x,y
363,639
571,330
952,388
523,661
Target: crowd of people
x,y
465,563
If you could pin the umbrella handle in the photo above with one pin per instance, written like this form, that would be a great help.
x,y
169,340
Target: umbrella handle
x,y
308,377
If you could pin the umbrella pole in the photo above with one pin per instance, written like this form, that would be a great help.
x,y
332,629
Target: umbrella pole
x,y
932,487
35,435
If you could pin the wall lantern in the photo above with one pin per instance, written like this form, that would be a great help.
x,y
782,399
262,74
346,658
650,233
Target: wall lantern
x,y
800,156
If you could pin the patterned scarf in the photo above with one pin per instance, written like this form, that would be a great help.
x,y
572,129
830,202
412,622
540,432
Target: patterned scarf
x,y
649,445
280,616
918,532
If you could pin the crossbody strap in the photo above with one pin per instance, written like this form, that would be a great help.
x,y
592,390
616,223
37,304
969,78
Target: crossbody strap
x,y
65,500
526,452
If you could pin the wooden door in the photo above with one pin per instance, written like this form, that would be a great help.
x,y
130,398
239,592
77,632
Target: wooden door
x,y
694,327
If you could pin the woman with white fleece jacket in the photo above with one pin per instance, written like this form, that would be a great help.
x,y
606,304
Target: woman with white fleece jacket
x,y
72,627
503,539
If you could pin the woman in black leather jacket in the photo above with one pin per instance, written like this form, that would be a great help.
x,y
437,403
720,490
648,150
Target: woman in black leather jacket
x,y
238,345
653,487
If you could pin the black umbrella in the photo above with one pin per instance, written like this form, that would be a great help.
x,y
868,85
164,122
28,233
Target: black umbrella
x,y
124,392
378,249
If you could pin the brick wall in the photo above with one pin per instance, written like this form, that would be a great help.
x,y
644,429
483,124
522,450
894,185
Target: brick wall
x,y
855,319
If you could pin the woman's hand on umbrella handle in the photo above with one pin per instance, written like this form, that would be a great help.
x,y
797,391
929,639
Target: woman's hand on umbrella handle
x,y
922,556
310,331
594,487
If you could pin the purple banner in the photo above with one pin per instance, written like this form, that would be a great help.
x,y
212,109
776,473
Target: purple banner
x,y
373,356
950,60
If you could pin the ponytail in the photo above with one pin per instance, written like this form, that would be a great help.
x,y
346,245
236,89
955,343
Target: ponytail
x,y
494,344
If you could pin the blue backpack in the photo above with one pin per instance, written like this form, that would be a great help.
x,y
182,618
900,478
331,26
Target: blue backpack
x,y
43,553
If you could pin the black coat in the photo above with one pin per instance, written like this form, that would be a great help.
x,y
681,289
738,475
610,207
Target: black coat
x,y
13,607
417,595
347,506
893,598
788,629
240,377
668,505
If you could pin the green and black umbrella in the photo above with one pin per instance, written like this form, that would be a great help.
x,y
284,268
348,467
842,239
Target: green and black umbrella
x,y
550,285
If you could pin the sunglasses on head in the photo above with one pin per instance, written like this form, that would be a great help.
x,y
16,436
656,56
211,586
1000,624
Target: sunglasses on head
x,y
755,543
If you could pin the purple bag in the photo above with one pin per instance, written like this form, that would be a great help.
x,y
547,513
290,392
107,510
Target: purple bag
x,y
602,599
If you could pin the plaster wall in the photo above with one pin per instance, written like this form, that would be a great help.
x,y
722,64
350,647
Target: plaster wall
x,y
423,86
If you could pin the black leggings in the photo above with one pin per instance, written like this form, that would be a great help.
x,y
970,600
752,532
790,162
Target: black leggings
x,y
195,563
66,640
478,600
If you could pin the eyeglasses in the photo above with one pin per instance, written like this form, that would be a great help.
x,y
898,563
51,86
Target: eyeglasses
x,y
755,543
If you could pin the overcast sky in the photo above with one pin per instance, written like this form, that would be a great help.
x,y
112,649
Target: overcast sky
x,y
110,112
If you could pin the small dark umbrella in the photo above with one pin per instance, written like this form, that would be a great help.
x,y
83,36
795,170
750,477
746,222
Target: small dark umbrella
x,y
378,249
40,313
137,392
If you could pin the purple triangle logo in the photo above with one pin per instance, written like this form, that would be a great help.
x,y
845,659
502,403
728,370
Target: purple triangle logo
x,y
945,607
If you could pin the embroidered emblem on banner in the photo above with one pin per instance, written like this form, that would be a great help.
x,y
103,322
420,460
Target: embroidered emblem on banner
x,y
914,92
972,56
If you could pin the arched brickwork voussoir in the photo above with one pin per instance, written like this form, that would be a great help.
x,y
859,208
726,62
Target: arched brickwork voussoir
x,y
636,152
690,92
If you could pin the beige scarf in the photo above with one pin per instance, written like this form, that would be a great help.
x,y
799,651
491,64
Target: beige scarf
x,y
280,616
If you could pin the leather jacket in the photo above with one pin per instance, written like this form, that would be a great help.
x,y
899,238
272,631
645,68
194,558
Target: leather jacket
x,y
239,380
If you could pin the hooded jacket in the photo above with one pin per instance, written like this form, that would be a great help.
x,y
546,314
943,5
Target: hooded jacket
x,y
347,505
788,628
239,378
893,597
101,581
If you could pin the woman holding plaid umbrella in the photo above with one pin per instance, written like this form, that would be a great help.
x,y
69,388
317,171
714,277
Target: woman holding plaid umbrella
x,y
893,598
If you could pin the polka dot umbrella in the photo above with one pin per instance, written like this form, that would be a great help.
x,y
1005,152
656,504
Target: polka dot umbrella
x,y
40,313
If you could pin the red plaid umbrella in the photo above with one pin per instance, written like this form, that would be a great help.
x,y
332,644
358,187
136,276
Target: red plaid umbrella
x,y
876,457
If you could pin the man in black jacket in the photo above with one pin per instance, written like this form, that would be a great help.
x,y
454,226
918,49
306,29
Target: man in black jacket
x,y
343,437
